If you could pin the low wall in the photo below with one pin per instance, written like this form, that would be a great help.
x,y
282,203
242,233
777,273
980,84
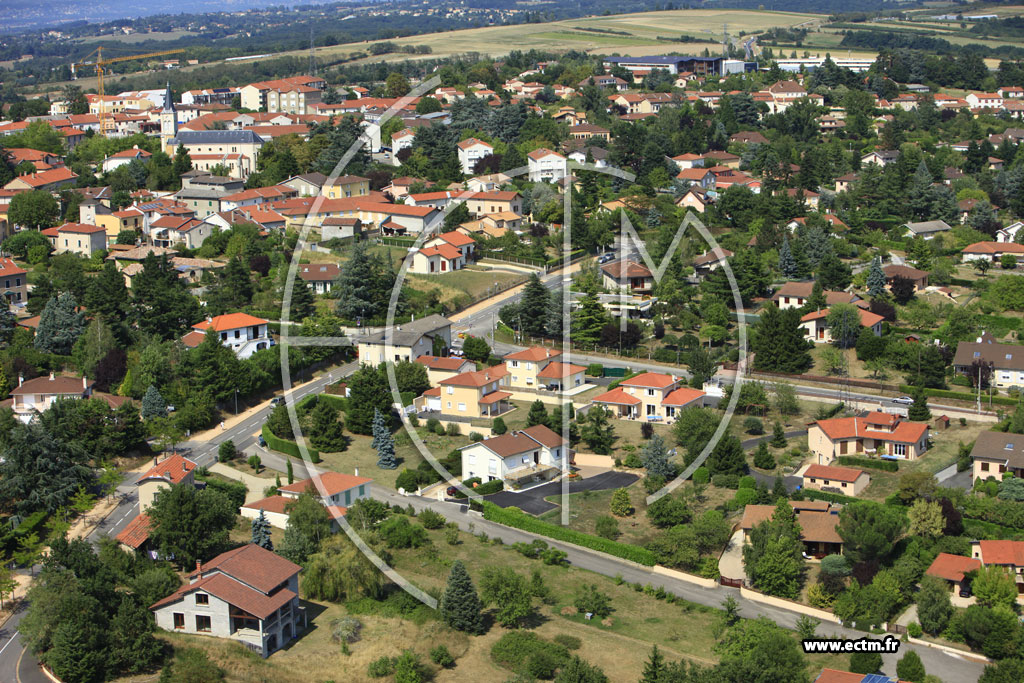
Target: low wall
x,y
951,650
593,460
683,576
790,605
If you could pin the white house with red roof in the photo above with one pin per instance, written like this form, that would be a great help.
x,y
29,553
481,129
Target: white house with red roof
x,y
242,333
248,594
952,568
442,367
124,157
335,490
472,150
400,140
78,238
876,433
176,469
319,277
816,329
650,396
444,253
533,454
14,282
628,275
1006,554
546,166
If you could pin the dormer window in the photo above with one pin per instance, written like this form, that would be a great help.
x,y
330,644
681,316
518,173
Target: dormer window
x,y
1009,446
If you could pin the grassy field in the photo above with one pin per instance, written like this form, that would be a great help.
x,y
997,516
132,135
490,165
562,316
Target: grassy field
x,y
681,630
465,286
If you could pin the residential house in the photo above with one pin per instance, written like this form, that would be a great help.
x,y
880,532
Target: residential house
x,y
816,328
984,100
844,182
443,367
876,433
340,228
493,203
201,192
440,257
242,333
837,676
307,184
546,166
650,396
77,238
346,186
15,282
1009,233
256,196
926,229
881,157
400,140
164,474
699,176
51,180
849,481
688,160
1005,360
116,222
335,491
1006,554
605,81
406,341
628,275
469,395
37,395
517,457
721,158
996,453
124,157
295,95
249,594
796,294
696,198
597,156
918,277
747,137
818,525
953,568
470,152
711,260
992,251
319,277
585,131
538,367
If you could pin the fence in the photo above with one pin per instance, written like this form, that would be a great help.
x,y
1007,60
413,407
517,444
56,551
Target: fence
x,y
731,583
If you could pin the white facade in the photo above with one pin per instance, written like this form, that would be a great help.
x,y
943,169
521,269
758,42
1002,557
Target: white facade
x,y
470,152
548,167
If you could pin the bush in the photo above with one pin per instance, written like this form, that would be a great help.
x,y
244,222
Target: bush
x,y
763,459
753,425
481,489
516,518
452,429
515,649
399,532
607,527
433,424
431,520
914,630
476,436
592,601
287,447
747,482
346,629
408,480
379,668
254,462
865,662
595,369
226,451
498,426
442,657
567,641
701,475
870,463
726,481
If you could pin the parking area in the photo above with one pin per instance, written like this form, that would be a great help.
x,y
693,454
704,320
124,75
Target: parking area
x,y
532,500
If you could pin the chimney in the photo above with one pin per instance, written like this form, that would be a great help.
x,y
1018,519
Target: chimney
x,y
199,566
357,471
184,465
21,379
85,382
51,376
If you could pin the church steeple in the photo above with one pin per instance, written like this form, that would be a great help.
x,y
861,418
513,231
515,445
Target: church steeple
x,y
168,122
168,99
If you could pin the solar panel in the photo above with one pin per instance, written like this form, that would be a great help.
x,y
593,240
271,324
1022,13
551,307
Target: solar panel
x,y
876,678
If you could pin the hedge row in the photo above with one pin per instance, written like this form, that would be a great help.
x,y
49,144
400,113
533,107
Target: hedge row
x,y
814,494
962,396
482,489
336,402
1006,513
287,447
975,528
616,383
871,463
516,518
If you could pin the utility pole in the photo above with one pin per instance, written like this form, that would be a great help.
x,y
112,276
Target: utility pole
x,y
978,404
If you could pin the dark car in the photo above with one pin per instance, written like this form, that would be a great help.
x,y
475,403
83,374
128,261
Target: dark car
x,y
261,441
965,589
450,491
277,401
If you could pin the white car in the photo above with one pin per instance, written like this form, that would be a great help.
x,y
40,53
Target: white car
x,y
903,400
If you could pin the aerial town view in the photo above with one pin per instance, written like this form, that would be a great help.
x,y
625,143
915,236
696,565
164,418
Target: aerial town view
x,y
512,341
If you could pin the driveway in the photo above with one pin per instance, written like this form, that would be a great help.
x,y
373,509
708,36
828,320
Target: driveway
x,y
532,500
730,565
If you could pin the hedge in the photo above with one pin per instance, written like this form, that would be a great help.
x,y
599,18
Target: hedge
x,y
872,463
628,375
814,494
1004,512
287,447
482,489
962,396
975,528
516,518
334,401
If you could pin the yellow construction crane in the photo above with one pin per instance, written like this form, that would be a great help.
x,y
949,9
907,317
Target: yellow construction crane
x,y
99,63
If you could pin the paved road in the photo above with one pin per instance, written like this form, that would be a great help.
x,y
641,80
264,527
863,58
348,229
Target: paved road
x,y
532,500
953,667
17,665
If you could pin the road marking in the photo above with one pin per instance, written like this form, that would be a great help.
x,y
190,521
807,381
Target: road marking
x,y
17,667
12,639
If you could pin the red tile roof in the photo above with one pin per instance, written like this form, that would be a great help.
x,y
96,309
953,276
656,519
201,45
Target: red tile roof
x,y
477,378
332,482
136,533
317,272
852,427
9,268
653,380
1002,552
534,353
952,567
994,248
469,142
849,474
513,443
682,396
541,153
54,175
616,396
256,566
272,504
173,469
81,228
229,321
560,370
442,363
456,238
444,250
52,385
494,397
623,269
